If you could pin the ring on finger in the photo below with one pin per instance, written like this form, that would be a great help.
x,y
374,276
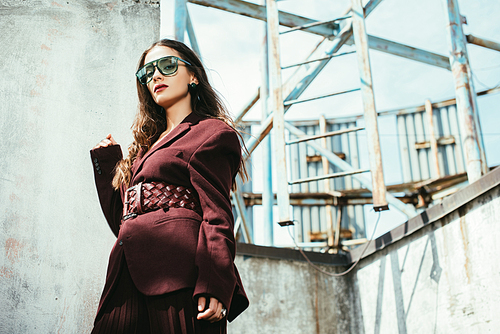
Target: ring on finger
x,y
223,313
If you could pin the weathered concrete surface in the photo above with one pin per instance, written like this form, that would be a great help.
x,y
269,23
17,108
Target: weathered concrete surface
x,y
442,279
293,298
67,79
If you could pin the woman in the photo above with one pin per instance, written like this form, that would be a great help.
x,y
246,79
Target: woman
x,y
171,269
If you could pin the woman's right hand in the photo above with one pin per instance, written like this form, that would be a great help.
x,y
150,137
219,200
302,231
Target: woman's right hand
x,y
108,141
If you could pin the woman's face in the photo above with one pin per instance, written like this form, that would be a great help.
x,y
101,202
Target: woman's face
x,y
170,90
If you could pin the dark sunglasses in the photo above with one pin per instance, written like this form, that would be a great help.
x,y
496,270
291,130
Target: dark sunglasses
x,y
167,66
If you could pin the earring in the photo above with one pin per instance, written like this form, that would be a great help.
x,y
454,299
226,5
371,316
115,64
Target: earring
x,y
193,85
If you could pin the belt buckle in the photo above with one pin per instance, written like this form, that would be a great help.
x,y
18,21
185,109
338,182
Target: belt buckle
x,y
138,200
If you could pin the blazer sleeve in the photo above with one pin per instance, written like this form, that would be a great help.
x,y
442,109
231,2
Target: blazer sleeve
x,y
212,168
104,160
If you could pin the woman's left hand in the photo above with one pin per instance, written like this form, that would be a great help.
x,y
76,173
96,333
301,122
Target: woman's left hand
x,y
213,312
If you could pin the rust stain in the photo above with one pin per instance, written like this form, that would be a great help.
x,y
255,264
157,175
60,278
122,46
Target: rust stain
x,y
20,181
13,197
45,47
4,272
111,5
465,240
40,80
53,33
34,93
35,110
56,4
63,316
12,249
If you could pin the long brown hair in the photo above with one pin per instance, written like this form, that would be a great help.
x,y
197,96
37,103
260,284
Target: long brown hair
x,y
150,120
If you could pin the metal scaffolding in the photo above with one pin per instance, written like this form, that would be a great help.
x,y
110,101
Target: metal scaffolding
x,y
319,182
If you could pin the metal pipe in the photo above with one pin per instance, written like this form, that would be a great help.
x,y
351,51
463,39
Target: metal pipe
x,y
180,19
276,105
483,42
466,97
334,159
329,176
267,172
324,58
324,135
314,24
239,204
290,102
409,52
326,168
253,100
360,39
370,6
336,241
432,137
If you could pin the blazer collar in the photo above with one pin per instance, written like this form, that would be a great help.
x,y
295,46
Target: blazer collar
x,y
173,135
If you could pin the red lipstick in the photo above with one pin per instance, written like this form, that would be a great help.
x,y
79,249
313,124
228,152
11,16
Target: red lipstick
x,y
160,87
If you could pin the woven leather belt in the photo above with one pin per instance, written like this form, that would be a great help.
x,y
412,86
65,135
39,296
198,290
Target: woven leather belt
x,y
145,197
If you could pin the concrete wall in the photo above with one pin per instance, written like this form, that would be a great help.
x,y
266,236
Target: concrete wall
x,y
442,279
67,79
293,298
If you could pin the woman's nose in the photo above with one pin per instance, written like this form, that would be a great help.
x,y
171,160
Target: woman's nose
x,y
157,75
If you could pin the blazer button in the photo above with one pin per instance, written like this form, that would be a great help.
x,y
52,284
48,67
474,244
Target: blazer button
x,y
121,242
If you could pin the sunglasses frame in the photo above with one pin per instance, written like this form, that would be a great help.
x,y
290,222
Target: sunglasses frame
x,y
154,63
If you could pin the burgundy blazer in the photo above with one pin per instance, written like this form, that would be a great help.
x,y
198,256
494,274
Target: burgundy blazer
x,y
169,250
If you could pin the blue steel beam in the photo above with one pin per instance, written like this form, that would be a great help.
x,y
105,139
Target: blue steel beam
x,y
276,105
267,171
466,98
239,204
180,19
483,42
409,52
370,6
365,74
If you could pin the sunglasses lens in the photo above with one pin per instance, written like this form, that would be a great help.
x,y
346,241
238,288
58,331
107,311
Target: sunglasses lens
x,y
145,74
167,65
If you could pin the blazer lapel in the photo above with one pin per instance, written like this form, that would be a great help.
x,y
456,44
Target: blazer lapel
x,y
175,134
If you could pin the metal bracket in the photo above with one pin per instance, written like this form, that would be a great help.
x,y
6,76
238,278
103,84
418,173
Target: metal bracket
x,y
286,223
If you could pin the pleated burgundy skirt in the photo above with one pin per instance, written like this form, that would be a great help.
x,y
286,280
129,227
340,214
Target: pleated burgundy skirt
x,y
128,311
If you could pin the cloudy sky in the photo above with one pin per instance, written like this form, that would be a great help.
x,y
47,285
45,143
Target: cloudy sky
x,y
230,47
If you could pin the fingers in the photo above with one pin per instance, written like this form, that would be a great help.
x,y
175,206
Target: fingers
x,y
213,312
201,304
108,141
110,138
